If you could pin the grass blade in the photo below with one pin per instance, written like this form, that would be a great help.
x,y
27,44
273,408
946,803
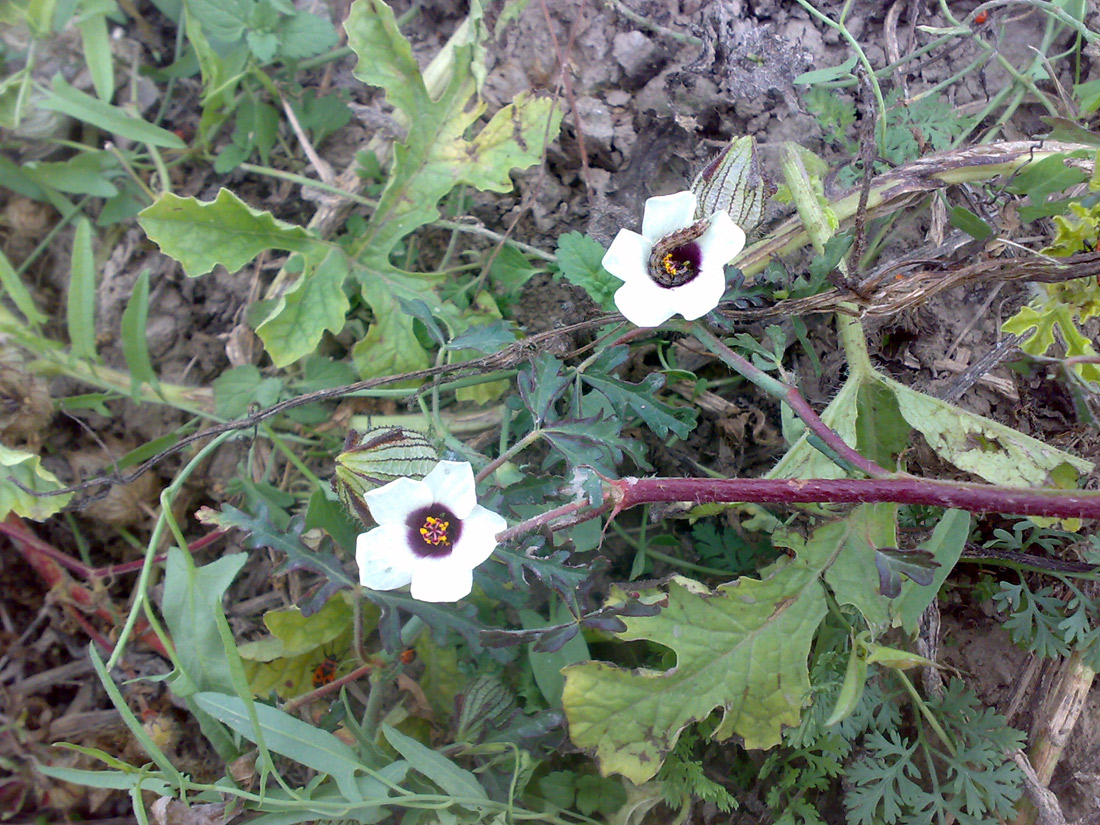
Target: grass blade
x,y
81,305
18,292
135,347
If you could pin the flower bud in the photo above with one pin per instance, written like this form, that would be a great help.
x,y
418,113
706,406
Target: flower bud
x,y
377,457
732,182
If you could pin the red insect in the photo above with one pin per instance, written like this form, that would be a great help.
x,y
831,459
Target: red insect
x,y
981,17
407,656
325,673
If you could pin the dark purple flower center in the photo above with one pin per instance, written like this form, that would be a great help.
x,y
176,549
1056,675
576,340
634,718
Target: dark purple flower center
x,y
677,258
433,531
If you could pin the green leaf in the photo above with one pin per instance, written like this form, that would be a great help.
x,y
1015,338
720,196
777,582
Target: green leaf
x,y
262,44
225,19
853,541
192,595
802,460
238,388
97,55
321,116
26,468
741,648
137,730
851,691
456,781
262,533
306,744
541,384
304,35
962,218
639,399
510,270
835,249
224,231
391,346
300,317
135,347
435,157
491,337
580,260
595,441
76,104
117,780
1044,177
18,292
547,666
88,173
1088,95
825,75
82,293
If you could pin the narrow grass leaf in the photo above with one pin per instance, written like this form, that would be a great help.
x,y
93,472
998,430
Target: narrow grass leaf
x,y
97,54
442,771
76,104
18,292
116,780
135,348
82,292
173,776
962,218
305,744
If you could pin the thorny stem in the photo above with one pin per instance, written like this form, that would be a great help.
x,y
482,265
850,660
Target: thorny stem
x,y
790,396
900,489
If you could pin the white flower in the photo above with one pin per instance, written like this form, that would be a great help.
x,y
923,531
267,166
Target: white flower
x,y
431,534
676,265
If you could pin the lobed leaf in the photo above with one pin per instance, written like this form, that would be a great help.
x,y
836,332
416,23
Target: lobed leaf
x,y
300,317
741,648
224,231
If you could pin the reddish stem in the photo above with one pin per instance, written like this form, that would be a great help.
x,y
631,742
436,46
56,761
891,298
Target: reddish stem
x,y
976,498
43,557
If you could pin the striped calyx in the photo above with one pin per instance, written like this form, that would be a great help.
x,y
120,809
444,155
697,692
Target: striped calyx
x,y
377,457
732,183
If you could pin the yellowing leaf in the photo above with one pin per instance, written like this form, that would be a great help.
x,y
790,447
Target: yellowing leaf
x,y
301,316
981,446
26,468
741,648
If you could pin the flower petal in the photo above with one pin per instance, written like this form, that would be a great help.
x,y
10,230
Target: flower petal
x,y
667,214
628,256
644,303
394,501
442,581
384,559
722,241
452,485
700,295
478,538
